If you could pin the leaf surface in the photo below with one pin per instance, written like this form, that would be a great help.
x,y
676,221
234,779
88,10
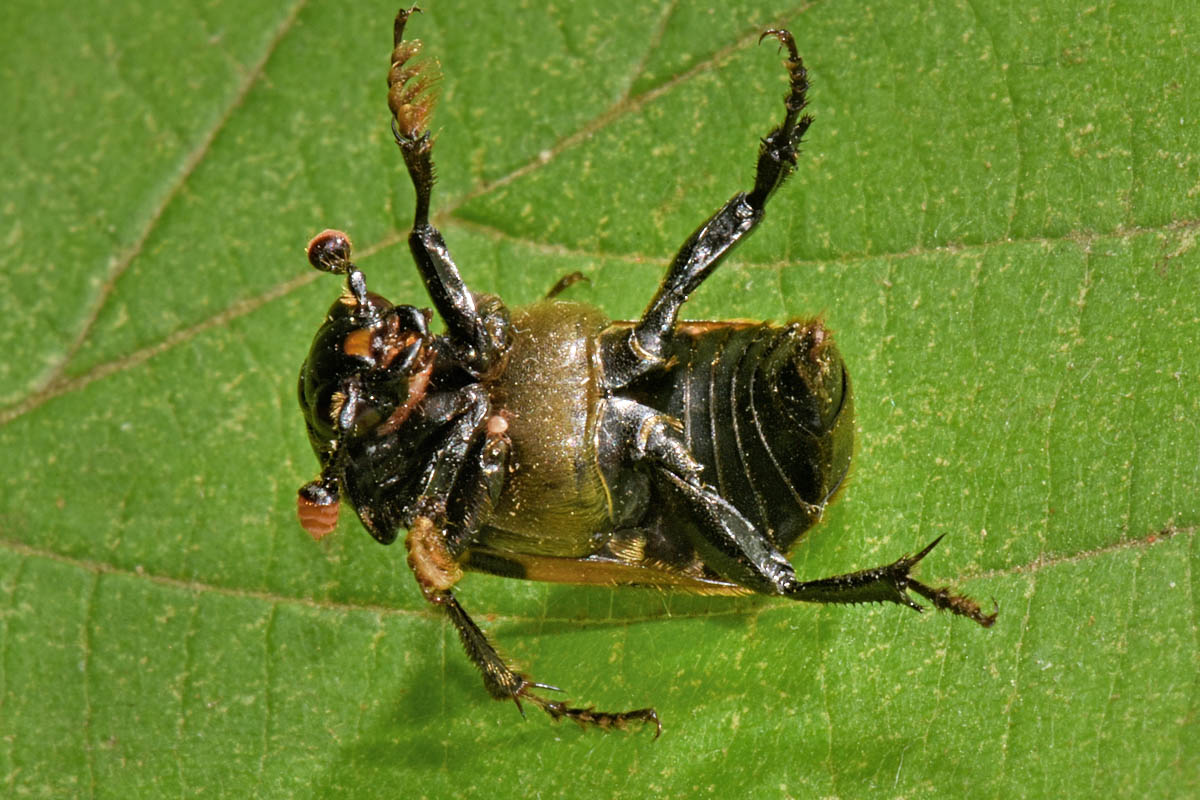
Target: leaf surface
x,y
996,211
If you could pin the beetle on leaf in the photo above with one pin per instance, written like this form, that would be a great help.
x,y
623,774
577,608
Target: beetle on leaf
x,y
550,443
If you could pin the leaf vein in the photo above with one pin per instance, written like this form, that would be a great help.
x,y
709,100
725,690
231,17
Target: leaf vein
x,y
121,262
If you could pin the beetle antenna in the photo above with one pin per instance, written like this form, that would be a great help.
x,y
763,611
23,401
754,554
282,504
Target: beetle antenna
x,y
329,251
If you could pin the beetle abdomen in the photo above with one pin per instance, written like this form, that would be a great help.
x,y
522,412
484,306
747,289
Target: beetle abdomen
x,y
554,501
769,412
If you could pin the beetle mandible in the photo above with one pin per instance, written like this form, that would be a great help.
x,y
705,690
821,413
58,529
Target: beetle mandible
x,y
553,444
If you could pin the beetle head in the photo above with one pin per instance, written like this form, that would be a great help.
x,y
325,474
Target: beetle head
x,y
369,366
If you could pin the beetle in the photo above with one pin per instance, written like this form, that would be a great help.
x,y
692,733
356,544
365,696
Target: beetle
x,y
550,443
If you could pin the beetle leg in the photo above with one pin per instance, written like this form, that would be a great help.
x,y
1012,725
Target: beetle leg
x,y
633,353
889,584
444,469
437,572
737,551
777,154
503,683
434,544
724,539
458,418
478,327
482,486
727,541
565,282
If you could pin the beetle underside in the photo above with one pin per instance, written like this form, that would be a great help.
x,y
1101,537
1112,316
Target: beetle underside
x,y
551,444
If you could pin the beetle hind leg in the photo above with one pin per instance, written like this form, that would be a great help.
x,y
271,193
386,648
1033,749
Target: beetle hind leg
x,y
730,545
889,584
722,537
503,683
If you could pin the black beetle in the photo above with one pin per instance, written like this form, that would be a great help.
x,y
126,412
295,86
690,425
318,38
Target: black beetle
x,y
553,444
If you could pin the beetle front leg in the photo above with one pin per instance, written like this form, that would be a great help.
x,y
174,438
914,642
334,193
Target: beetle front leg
x,y
478,326
633,353
482,486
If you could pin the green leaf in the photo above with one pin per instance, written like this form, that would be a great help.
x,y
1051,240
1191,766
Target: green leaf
x,y
997,212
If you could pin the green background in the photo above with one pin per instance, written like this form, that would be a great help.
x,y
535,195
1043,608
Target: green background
x,y
997,212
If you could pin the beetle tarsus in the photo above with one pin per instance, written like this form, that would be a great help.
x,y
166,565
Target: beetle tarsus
x,y
412,95
412,86
605,720
941,598
785,40
961,605
777,155
401,19
503,683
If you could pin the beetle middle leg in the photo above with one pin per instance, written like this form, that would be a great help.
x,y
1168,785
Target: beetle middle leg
x,y
564,283
641,350
503,683
437,572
